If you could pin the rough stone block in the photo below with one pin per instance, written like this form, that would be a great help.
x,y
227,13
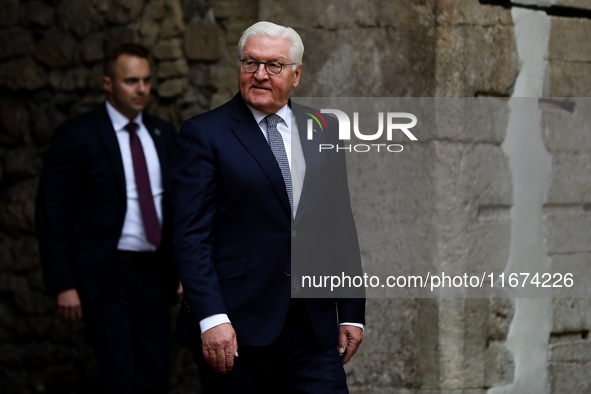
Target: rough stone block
x,y
471,12
580,4
35,279
95,76
26,254
387,356
567,230
569,378
34,303
569,40
9,15
571,315
199,75
168,49
501,315
155,9
334,59
577,351
203,41
120,12
23,162
226,77
566,79
566,124
576,266
18,207
13,284
149,30
69,80
500,367
118,36
389,217
36,14
472,190
224,9
333,14
79,16
178,68
476,60
234,30
172,87
57,50
570,183
481,119
14,118
47,118
6,259
93,48
8,320
22,73
173,25
15,42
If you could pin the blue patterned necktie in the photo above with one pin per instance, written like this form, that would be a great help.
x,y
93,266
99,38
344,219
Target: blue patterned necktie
x,y
276,143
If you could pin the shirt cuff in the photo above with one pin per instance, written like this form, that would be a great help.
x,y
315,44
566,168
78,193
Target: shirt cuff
x,y
212,321
351,324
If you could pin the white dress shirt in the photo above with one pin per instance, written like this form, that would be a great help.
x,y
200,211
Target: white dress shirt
x,y
133,234
288,128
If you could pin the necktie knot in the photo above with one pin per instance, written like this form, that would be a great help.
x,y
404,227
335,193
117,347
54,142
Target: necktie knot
x,y
131,127
272,120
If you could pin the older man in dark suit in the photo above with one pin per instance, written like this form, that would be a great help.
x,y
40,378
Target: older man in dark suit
x,y
103,225
250,195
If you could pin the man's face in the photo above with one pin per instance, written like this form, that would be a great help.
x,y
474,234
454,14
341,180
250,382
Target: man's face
x,y
268,93
129,86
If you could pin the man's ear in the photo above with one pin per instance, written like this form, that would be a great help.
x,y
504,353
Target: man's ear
x,y
107,83
298,73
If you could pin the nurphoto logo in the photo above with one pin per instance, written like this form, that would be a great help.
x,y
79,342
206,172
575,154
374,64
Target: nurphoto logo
x,y
392,125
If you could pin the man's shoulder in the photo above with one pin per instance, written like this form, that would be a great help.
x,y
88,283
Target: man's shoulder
x,y
84,119
223,111
157,122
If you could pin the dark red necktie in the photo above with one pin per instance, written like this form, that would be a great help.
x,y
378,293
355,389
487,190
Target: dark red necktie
x,y
144,190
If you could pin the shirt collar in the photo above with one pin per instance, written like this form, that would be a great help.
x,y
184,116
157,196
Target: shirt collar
x,y
118,119
284,113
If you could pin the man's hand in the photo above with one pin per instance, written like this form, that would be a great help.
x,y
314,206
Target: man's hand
x,y
68,305
350,337
220,347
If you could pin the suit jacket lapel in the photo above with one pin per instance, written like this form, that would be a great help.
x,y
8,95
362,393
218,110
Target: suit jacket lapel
x,y
249,133
159,143
104,127
312,158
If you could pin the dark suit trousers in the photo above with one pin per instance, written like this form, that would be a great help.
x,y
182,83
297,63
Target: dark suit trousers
x,y
294,363
130,328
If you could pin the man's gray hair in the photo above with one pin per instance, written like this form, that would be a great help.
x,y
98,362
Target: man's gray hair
x,y
268,29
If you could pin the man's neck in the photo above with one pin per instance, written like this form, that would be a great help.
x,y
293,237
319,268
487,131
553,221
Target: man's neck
x,y
129,115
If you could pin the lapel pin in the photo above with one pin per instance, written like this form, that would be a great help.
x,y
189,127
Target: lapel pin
x,y
315,131
157,131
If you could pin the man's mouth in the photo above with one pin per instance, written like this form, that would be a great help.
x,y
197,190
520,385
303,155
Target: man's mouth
x,y
260,88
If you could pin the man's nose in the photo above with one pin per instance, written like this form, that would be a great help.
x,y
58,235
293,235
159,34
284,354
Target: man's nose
x,y
142,87
261,73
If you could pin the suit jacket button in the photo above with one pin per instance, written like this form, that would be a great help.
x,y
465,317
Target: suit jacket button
x,y
287,272
294,233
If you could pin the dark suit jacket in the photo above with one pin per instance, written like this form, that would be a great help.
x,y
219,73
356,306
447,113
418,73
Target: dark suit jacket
x,y
233,236
81,203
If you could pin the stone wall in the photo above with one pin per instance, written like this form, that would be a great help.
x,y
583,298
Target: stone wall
x,y
50,68
51,56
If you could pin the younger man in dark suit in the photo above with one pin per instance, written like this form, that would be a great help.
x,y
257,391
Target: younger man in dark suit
x,y
103,225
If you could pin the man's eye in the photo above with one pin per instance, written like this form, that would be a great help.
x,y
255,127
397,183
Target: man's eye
x,y
275,65
250,63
